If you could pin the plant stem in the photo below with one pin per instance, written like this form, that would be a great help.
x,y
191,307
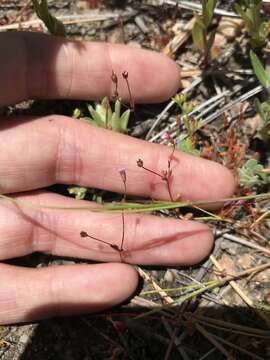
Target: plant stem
x,y
152,171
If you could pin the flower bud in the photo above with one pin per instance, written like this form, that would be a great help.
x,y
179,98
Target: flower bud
x,y
125,74
84,234
123,174
114,77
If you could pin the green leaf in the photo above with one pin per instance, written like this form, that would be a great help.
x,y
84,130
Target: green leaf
x,y
115,120
124,120
252,174
187,146
257,29
264,30
197,36
256,14
199,21
77,113
208,11
96,117
54,26
258,2
243,14
247,17
117,109
180,99
103,116
261,74
263,109
115,123
79,192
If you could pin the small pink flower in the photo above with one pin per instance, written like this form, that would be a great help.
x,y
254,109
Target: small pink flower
x,y
122,172
166,136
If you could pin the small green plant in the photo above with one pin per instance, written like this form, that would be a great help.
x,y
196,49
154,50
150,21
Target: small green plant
x,y
103,116
78,191
252,173
187,146
259,70
54,26
257,28
191,125
263,108
203,39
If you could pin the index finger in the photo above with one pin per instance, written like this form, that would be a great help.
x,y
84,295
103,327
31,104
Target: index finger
x,y
36,65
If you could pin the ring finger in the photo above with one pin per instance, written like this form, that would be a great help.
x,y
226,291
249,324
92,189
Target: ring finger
x,y
145,239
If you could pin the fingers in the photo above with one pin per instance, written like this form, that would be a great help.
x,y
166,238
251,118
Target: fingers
x,y
31,294
58,149
41,66
147,239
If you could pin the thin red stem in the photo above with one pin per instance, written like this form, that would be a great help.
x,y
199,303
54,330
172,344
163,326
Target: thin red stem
x,y
151,171
114,79
85,234
169,189
170,159
123,236
131,100
123,218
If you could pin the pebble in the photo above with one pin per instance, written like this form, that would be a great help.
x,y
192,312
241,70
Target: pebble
x,y
24,339
169,276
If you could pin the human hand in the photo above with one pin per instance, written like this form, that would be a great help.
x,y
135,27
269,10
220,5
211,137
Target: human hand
x,y
41,151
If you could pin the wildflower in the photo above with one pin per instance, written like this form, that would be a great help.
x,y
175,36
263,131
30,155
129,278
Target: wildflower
x,y
125,74
114,77
167,136
123,174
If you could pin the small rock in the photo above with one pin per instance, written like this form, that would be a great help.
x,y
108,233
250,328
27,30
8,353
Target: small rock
x,y
219,43
169,276
254,124
177,27
82,5
116,37
24,339
141,24
245,261
263,276
229,247
134,44
228,265
230,27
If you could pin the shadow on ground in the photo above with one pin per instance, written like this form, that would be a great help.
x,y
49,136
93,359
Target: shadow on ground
x,y
170,334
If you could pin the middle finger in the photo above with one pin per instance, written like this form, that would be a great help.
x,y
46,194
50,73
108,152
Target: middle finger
x,y
56,149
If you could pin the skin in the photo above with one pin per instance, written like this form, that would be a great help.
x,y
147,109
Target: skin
x,y
41,151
